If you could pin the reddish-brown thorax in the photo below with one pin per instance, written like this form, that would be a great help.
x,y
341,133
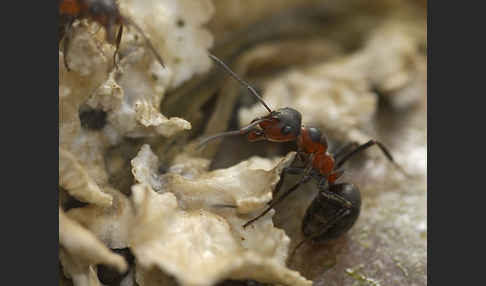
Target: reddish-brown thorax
x,y
321,159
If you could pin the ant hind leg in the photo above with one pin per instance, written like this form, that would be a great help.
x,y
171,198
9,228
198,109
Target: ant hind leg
x,y
66,41
344,149
365,146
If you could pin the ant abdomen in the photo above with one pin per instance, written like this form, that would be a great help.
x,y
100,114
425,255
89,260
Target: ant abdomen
x,y
328,218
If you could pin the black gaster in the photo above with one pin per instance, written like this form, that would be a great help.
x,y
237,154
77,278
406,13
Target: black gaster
x,y
322,210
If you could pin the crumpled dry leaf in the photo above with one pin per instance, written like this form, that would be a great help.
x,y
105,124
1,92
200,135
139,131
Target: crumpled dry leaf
x,y
247,185
204,244
74,178
131,97
193,223
149,115
81,276
111,224
80,250
75,88
176,30
153,277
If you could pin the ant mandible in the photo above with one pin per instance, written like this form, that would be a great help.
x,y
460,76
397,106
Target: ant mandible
x,y
104,12
337,206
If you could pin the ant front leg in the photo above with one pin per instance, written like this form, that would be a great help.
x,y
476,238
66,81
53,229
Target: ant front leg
x,y
304,180
290,170
306,177
287,170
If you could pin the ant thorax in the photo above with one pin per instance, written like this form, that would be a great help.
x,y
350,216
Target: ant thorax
x,y
311,141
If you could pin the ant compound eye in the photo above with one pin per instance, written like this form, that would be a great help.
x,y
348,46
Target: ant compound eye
x,y
290,120
286,129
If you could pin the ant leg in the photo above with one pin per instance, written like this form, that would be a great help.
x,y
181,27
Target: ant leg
x,y
297,247
345,148
66,42
117,47
289,170
364,147
148,43
304,180
342,213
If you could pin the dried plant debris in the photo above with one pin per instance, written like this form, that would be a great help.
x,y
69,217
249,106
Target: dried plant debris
x,y
111,224
247,186
193,222
80,251
78,183
99,107
176,29
203,244
138,219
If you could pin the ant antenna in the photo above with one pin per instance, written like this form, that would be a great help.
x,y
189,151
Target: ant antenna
x,y
241,131
235,76
130,22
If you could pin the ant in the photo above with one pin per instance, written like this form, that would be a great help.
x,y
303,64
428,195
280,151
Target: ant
x,y
337,206
104,12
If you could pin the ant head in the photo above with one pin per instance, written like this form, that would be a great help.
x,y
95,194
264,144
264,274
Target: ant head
x,y
279,126
311,140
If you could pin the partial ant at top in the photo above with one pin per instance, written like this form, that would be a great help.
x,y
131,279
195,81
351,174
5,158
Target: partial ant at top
x,y
336,207
104,12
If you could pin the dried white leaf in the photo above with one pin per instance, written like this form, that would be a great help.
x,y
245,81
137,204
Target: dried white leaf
x,y
74,178
80,250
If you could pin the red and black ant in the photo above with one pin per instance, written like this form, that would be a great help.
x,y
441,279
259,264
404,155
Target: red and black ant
x,y
104,12
337,206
